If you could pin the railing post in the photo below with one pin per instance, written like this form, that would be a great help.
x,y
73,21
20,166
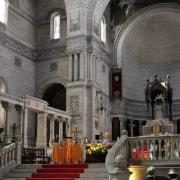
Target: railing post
x,y
160,150
137,150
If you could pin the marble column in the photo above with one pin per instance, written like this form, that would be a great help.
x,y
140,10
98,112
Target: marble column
x,y
41,140
76,78
7,137
60,120
19,120
70,127
25,128
52,120
82,67
70,68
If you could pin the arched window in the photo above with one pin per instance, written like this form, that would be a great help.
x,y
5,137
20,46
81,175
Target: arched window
x,y
4,11
103,29
2,112
55,25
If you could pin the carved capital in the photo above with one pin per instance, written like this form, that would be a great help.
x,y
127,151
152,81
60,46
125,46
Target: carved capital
x,y
5,105
18,108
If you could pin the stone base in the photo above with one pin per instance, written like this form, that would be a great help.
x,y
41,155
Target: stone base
x,y
158,127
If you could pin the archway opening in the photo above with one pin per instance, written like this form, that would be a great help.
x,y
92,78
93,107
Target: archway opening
x,y
55,95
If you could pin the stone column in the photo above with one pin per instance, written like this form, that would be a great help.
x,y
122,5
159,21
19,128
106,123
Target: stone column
x,y
41,140
82,67
25,128
140,128
70,68
76,78
93,68
19,120
60,128
7,137
70,127
52,119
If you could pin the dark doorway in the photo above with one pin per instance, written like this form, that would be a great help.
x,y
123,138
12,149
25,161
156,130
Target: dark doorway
x,y
178,126
64,129
136,128
128,129
55,95
56,131
115,128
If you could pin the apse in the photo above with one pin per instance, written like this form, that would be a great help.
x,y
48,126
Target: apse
x,y
150,44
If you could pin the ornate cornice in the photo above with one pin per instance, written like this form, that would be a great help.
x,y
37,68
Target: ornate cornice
x,y
30,53
46,54
17,47
122,29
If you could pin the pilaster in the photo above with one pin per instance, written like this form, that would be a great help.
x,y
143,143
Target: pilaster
x,y
41,140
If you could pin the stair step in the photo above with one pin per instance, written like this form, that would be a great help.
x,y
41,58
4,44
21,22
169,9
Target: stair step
x,y
29,166
21,170
11,178
18,175
89,170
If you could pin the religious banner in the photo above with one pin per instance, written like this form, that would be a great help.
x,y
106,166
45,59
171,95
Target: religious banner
x,y
116,84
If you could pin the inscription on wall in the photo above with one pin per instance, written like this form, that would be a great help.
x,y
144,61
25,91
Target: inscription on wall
x,y
74,104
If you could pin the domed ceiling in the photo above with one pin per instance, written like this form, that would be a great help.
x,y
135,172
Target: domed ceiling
x,y
149,45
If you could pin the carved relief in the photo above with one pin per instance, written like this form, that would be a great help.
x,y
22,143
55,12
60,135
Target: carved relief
x,y
74,104
53,67
75,22
17,47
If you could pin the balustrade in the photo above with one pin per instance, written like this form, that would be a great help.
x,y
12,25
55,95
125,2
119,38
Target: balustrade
x,y
7,155
165,147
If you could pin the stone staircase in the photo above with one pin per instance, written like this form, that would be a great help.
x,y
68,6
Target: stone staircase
x,y
21,172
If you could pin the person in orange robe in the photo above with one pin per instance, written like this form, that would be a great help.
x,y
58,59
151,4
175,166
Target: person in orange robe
x,y
60,153
55,153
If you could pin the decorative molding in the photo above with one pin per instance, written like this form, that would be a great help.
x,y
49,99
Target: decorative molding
x,y
52,53
30,53
123,28
76,44
17,47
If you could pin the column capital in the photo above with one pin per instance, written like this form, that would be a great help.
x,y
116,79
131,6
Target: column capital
x,y
18,108
52,117
5,105
60,119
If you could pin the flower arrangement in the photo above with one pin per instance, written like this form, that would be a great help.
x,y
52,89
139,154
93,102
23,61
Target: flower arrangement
x,y
96,152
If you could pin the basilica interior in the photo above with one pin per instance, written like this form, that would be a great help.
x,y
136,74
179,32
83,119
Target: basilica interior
x,y
89,70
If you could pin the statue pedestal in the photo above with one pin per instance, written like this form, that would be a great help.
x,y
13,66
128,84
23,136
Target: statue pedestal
x,y
157,127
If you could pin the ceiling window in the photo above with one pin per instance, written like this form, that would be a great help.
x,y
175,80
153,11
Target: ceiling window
x,y
103,29
3,11
55,26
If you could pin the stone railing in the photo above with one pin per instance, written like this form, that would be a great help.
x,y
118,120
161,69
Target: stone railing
x,y
10,154
151,150
117,159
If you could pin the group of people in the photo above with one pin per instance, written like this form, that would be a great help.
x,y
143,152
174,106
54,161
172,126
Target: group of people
x,y
172,175
67,152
